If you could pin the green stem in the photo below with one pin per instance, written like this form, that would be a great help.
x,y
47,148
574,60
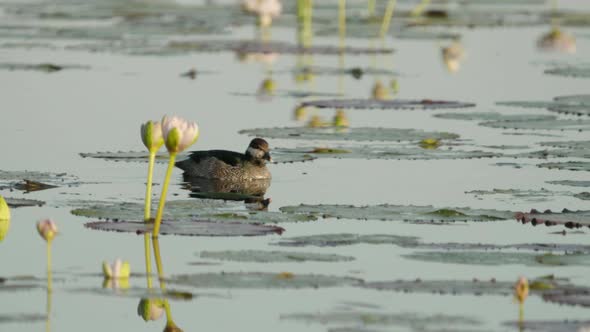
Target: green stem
x,y
417,11
159,267
148,189
148,263
387,18
342,20
162,202
49,289
371,8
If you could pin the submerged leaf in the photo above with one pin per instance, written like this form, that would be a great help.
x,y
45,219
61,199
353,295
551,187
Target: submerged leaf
x,y
188,228
262,280
261,256
22,202
424,104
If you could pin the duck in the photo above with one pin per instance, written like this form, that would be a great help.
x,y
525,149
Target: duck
x,y
229,165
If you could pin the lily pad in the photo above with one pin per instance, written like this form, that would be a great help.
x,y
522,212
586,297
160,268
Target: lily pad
x,y
415,321
188,228
22,318
493,116
495,258
261,256
140,293
23,202
575,104
260,280
571,183
526,195
564,260
566,325
424,104
351,134
356,72
452,287
19,179
346,239
186,210
580,71
42,67
399,212
388,152
568,144
583,195
569,219
141,156
548,124
568,165
575,297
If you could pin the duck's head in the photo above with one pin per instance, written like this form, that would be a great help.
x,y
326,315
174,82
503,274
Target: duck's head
x,y
258,150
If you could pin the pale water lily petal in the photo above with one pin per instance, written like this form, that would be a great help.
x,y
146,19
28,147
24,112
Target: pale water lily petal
x,y
47,229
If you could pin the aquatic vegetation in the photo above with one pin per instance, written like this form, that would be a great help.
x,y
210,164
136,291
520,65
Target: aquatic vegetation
x,y
351,134
533,195
574,104
569,219
567,144
572,183
151,136
399,104
568,165
260,280
261,256
549,124
4,218
266,10
32,180
476,258
47,229
549,325
118,270
150,309
346,239
557,40
452,56
521,289
42,67
188,228
581,71
493,116
399,213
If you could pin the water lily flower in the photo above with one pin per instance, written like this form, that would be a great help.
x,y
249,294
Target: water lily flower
x,y
118,270
340,119
267,10
452,56
521,289
300,113
4,209
379,91
179,133
151,135
557,40
150,309
47,229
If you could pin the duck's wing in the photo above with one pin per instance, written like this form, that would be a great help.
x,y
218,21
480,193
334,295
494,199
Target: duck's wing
x,y
229,157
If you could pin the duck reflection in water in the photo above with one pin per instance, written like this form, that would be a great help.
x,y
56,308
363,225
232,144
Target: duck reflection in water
x,y
230,175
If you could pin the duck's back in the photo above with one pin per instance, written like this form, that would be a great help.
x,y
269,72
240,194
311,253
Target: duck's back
x,y
222,164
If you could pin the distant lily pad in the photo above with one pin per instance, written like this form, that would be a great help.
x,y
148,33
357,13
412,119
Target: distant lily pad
x,y
389,152
569,219
31,180
493,116
42,67
139,293
571,183
259,280
580,71
23,202
497,258
356,72
188,228
261,256
424,104
351,134
526,195
21,318
568,165
142,156
568,144
345,239
399,212
575,104
451,287
548,124
574,297
583,195
415,321
564,260
567,325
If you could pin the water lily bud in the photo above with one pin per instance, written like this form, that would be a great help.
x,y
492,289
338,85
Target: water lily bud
x,y
521,289
557,40
179,133
340,119
118,270
4,209
4,227
316,122
268,86
151,135
300,112
47,229
150,309
452,56
394,85
380,91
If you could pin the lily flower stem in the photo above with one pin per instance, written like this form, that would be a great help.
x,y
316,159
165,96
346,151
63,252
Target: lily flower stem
x,y
159,267
148,189
521,312
162,202
371,8
49,283
387,18
342,21
148,260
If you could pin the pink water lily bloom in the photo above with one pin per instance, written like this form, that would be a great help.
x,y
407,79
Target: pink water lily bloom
x,y
47,229
266,10
179,133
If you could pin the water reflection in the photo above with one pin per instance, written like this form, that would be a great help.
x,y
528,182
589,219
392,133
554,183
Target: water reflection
x,y
170,324
226,189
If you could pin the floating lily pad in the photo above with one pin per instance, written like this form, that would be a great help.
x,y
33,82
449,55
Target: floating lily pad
x,y
424,104
399,212
21,318
581,71
356,72
186,210
260,280
42,67
583,195
189,228
415,321
141,156
568,165
140,293
497,258
548,124
569,219
452,287
389,152
345,239
566,325
260,256
31,181
575,104
568,144
23,202
571,183
493,116
575,297
350,134
526,195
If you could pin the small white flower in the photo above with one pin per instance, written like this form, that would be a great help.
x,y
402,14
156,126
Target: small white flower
x,y
179,133
119,269
266,10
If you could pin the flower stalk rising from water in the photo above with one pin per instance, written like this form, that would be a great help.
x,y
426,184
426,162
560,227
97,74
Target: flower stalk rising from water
x,y
521,292
47,230
178,135
151,135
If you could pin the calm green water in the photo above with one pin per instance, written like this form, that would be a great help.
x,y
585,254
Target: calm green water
x,y
48,119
